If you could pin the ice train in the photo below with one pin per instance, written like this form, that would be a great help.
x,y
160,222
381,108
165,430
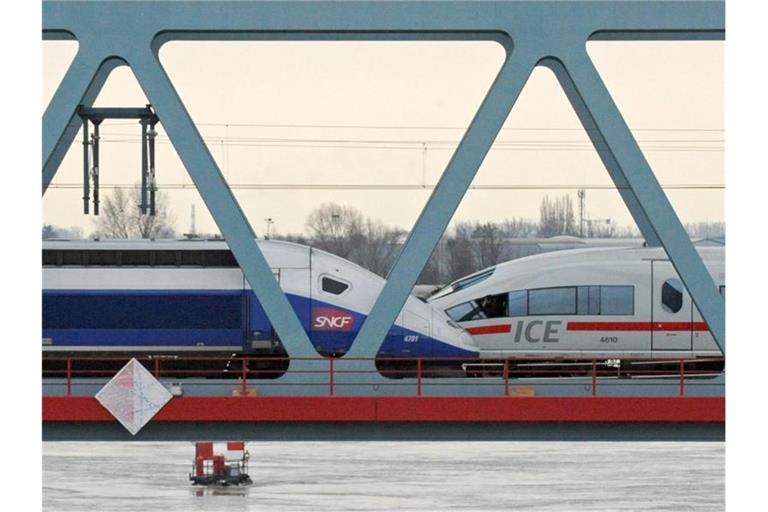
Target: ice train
x,y
190,297
604,302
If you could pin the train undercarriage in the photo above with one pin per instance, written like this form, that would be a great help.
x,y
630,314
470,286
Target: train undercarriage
x,y
516,368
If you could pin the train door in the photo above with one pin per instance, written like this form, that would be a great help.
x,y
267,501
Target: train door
x,y
671,309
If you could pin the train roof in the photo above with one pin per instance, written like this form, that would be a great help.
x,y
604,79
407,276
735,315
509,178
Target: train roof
x,y
548,260
292,250
172,244
602,254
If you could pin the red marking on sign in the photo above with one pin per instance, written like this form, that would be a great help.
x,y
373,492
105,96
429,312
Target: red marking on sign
x,y
490,329
328,319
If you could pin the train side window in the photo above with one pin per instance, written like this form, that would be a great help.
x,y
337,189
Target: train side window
x,y
333,286
219,259
518,303
166,258
594,300
617,300
103,258
582,300
606,300
552,301
135,258
672,295
494,306
722,291
50,258
466,312
72,257
192,258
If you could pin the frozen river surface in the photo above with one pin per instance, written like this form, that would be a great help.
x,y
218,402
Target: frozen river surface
x,y
320,476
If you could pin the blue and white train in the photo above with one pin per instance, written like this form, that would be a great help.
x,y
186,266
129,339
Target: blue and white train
x,y
190,297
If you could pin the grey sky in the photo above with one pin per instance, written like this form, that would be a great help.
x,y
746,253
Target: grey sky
x,y
670,93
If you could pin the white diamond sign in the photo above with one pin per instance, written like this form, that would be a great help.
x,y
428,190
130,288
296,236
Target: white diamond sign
x,y
133,396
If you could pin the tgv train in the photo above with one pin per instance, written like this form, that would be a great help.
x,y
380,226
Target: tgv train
x,y
606,302
190,297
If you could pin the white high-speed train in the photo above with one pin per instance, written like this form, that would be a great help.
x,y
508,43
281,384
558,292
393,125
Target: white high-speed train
x,y
606,303
169,297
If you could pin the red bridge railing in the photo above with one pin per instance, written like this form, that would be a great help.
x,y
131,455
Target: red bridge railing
x,y
511,375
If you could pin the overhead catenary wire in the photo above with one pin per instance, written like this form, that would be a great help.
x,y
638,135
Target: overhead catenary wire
x,y
384,187
422,144
428,145
420,141
430,127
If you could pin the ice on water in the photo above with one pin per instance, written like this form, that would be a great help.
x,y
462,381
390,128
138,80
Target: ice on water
x,y
331,476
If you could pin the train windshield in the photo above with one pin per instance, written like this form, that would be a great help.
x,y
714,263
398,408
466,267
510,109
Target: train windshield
x,y
461,284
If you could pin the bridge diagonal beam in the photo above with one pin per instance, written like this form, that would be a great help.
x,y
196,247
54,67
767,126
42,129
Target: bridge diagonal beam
x,y
445,199
603,151
100,28
634,169
221,202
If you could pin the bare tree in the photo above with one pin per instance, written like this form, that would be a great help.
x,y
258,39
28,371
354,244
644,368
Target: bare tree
x,y
460,259
602,228
706,229
121,218
431,273
556,217
379,244
335,228
518,228
489,244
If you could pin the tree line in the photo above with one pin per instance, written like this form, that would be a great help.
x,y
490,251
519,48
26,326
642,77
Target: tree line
x,y
464,248
121,218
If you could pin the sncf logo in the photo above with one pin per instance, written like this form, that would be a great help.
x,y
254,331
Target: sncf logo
x,y
327,319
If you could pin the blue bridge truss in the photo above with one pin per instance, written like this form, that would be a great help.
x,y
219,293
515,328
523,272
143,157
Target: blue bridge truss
x,y
533,33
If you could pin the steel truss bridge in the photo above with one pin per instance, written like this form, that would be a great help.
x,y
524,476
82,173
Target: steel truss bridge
x,y
533,33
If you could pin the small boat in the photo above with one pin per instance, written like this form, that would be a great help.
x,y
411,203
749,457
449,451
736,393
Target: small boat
x,y
224,468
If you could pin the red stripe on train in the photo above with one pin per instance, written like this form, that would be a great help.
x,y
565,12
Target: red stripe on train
x,y
490,329
637,326
602,326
